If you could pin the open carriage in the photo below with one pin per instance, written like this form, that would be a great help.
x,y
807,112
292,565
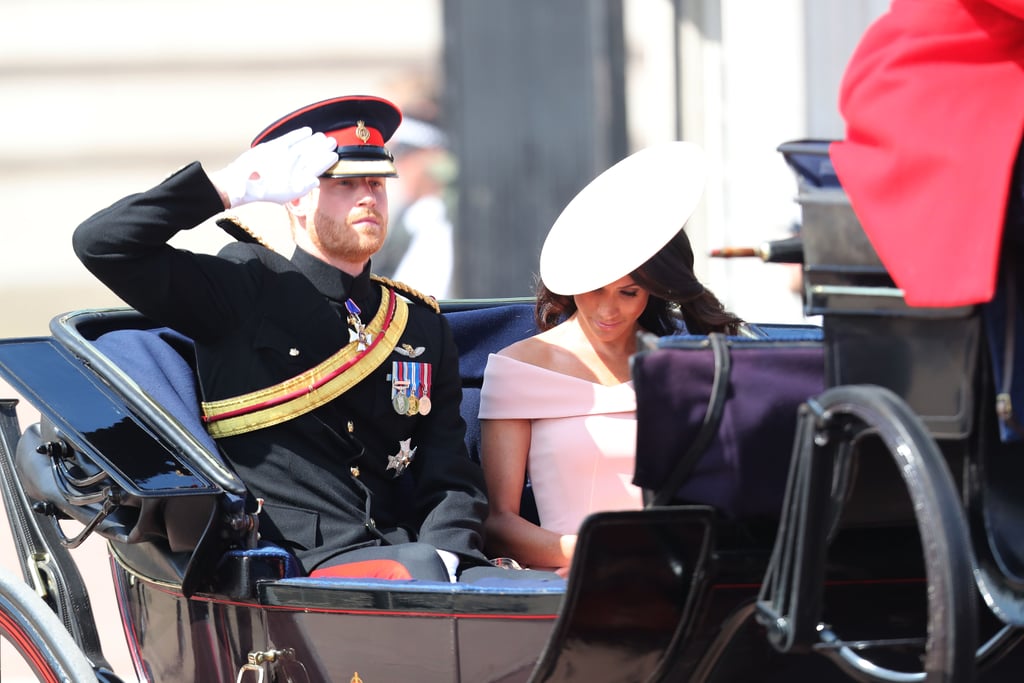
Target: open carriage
x,y
828,503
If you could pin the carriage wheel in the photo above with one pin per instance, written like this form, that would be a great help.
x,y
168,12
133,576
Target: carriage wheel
x,y
33,640
949,646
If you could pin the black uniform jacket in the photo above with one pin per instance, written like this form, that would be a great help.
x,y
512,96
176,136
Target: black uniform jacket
x,y
259,318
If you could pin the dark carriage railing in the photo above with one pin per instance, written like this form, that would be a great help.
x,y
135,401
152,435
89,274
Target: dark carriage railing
x,y
909,385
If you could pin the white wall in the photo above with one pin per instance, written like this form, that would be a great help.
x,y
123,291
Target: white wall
x,y
758,74
107,97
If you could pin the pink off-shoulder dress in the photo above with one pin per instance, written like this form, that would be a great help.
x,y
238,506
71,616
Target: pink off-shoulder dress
x,y
583,439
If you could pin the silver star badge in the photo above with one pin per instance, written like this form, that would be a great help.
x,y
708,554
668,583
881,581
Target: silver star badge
x,y
403,458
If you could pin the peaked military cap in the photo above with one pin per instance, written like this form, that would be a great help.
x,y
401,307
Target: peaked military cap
x,y
360,124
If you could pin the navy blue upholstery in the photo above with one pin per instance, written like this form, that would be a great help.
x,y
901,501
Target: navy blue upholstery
x,y
160,362
496,584
479,333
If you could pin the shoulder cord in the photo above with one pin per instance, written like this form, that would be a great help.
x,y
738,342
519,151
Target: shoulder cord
x,y
410,292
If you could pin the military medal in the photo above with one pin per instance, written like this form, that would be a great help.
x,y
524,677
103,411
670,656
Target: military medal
x,y
399,393
410,387
358,332
424,402
399,461
400,388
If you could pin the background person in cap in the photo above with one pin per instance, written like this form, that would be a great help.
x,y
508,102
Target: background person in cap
x,y
560,406
367,474
420,245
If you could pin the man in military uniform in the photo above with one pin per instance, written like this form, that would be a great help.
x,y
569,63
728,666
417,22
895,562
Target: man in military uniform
x,y
334,394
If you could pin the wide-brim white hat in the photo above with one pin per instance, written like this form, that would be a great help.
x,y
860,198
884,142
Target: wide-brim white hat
x,y
623,217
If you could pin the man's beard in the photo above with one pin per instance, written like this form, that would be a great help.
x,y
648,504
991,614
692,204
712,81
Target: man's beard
x,y
340,240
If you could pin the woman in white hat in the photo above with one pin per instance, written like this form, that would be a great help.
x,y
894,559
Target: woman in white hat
x,y
559,407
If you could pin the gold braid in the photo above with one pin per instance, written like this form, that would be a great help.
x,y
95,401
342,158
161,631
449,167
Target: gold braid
x,y
233,226
409,292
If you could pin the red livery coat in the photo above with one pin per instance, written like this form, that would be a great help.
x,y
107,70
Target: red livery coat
x,y
933,99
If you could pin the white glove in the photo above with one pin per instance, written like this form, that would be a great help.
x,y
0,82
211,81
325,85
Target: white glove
x,y
280,170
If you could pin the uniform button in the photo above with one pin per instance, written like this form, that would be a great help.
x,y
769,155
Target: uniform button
x,y
354,471
371,523
293,351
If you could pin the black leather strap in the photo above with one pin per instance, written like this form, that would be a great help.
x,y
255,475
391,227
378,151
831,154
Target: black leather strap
x,y
712,419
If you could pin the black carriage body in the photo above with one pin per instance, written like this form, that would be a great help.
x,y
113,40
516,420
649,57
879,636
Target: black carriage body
x,y
338,630
661,594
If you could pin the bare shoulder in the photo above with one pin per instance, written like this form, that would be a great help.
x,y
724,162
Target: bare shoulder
x,y
535,350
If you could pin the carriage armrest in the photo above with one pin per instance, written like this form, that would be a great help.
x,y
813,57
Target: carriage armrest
x,y
525,597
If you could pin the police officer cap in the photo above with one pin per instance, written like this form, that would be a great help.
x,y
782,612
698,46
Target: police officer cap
x,y
623,218
360,125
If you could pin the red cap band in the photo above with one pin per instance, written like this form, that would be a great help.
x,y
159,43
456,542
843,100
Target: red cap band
x,y
351,136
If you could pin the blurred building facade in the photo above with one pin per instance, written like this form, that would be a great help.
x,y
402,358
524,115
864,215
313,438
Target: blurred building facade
x,y
105,98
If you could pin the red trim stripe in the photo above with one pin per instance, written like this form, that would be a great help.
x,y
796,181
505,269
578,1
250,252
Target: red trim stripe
x,y
367,569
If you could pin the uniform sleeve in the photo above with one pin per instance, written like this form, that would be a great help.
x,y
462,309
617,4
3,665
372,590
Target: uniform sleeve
x,y
1014,7
125,247
451,496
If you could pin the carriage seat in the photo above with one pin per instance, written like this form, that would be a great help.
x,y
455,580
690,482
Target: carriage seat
x,y
479,333
161,362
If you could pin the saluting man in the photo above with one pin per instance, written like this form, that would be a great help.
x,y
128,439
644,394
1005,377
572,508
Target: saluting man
x,y
334,394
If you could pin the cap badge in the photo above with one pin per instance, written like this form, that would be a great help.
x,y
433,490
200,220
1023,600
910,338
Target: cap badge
x,y
361,131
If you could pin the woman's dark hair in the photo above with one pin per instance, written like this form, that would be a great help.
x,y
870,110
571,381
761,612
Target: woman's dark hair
x,y
675,292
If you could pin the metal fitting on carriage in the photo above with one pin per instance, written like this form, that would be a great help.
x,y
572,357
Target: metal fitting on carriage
x,y
259,661
57,448
244,524
788,250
